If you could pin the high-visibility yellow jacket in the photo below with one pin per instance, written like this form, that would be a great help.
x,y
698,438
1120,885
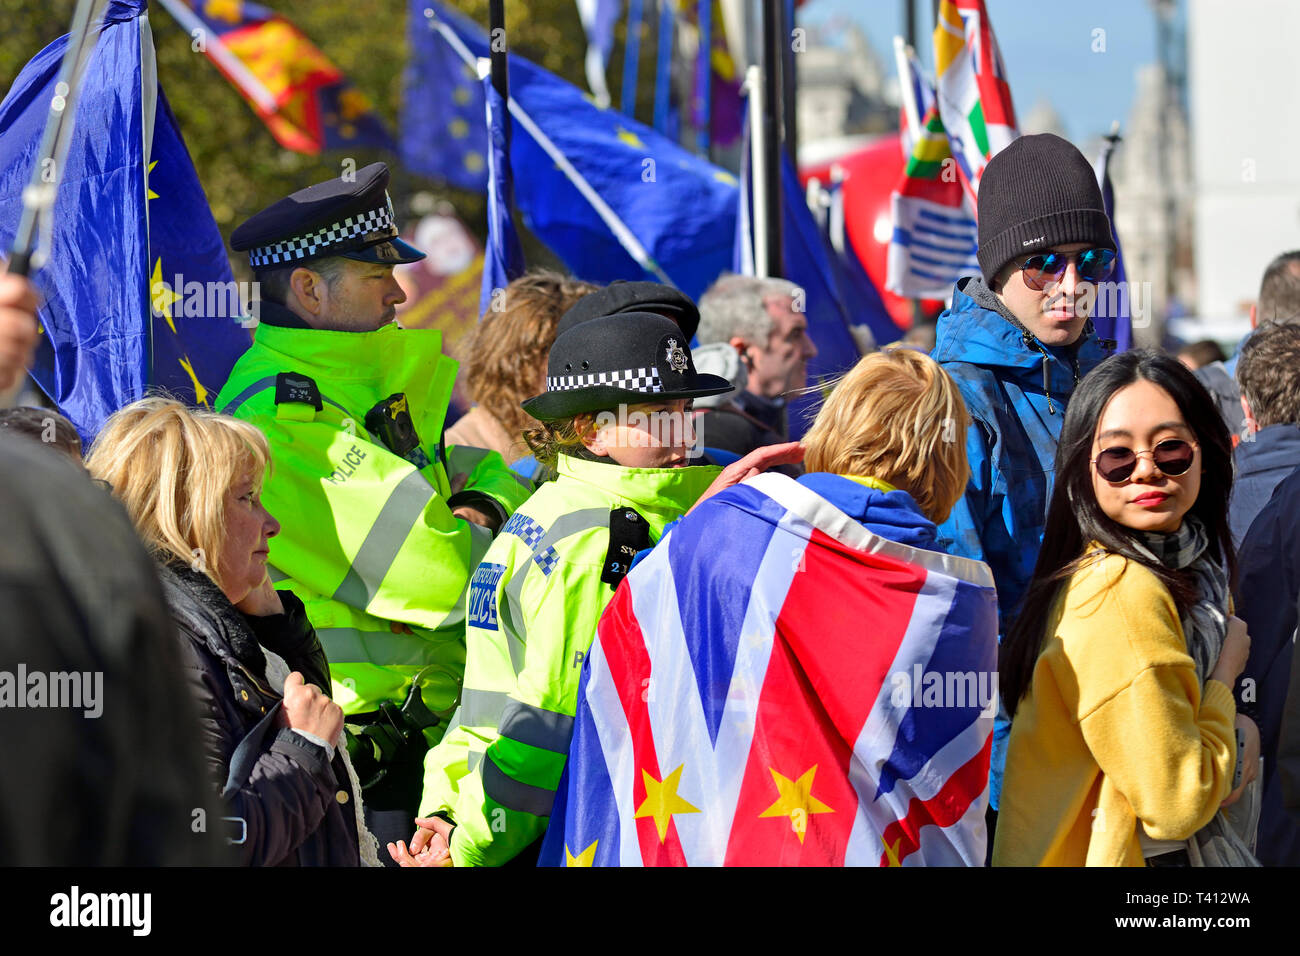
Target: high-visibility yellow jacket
x,y
532,611
368,540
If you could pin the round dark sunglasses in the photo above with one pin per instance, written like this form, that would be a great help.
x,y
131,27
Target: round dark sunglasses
x,y
1173,456
1047,268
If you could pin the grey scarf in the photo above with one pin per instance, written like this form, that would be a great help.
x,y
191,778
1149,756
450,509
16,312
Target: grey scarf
x,y
1228,838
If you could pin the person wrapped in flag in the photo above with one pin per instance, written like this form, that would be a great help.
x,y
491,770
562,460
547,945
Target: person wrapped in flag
x,y
818,691
616,426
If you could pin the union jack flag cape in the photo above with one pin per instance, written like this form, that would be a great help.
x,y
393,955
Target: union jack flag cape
x,y
776,685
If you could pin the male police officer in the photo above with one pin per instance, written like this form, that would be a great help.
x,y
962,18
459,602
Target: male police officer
x,y
376,538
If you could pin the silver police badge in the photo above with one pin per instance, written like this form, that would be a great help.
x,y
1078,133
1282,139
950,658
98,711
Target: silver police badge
x,y
676,356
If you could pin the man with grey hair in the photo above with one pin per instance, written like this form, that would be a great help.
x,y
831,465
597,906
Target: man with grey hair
x,y
761,319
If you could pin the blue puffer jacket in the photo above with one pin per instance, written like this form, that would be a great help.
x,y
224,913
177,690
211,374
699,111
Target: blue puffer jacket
x,y
1016,390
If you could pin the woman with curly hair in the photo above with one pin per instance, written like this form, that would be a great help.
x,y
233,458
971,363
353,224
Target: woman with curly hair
x,y
504,361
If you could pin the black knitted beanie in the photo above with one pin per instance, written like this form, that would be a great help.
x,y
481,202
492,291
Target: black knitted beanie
x,y
1036,193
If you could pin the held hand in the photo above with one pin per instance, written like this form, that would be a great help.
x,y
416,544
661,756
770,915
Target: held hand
x,y
429,846
307,708
758,460
262,601
18,302
1236,649
1250,762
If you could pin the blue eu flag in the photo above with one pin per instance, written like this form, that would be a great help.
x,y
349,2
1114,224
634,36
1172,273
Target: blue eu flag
x,y
137,290
611,197
503,259
442,131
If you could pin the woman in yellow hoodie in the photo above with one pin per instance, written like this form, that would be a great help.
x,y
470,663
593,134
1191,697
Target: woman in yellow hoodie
x,y
1118,672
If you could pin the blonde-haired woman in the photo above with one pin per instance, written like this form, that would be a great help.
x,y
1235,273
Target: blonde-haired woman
x,y
895,422
191,482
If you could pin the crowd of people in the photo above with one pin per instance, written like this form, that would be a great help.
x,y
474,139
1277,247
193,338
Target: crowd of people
x,y
361,629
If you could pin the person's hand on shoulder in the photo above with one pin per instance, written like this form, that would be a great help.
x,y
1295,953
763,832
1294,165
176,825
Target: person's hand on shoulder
x,y
757,461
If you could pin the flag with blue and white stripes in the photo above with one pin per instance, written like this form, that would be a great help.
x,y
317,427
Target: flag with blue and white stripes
x,y
935,235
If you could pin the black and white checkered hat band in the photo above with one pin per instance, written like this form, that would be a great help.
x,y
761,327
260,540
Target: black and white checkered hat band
x,y
300,247
632,380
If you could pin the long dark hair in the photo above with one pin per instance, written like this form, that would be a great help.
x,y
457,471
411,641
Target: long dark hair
x,y
1074,518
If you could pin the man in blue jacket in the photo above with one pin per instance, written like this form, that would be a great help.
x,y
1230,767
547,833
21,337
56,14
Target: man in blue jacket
x,y
1017,340
1268,371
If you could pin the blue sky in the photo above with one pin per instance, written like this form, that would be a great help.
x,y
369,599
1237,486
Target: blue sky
x,y
1047,48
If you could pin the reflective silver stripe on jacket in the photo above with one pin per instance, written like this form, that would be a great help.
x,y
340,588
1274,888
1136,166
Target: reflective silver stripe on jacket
x,y
543,729
513,795
384,540
349,645
482,708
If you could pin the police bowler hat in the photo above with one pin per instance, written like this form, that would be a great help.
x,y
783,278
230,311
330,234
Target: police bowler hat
x,y
623,296
626,358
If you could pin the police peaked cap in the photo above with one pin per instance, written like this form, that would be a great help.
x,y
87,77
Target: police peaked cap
x,y
623,296
626,358
351,218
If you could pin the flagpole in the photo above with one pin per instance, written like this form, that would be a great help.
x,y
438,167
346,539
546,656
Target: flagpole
x,y
42,189
770,183
631,58
500,62
758,169
663,68
789,88
704,77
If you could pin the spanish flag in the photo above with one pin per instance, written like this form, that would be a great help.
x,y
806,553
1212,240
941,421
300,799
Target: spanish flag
x,y
307,103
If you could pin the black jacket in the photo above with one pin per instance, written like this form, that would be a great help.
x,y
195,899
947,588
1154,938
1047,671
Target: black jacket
x,y
114,781
1268,590
297,806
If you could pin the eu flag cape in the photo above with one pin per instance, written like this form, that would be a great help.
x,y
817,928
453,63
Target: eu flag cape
x,y
137,288
820,696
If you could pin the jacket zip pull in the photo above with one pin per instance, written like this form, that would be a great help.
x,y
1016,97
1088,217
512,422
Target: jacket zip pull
x,y
1051,409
